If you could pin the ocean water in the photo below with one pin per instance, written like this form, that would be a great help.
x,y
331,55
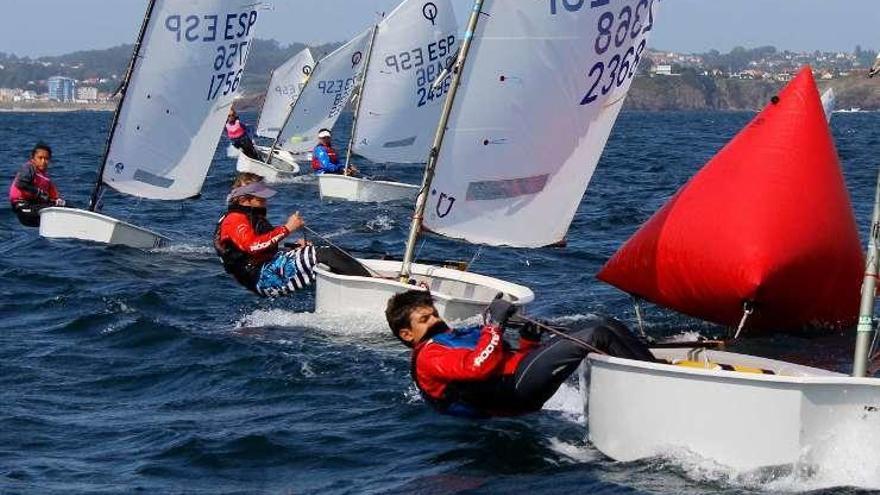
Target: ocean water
x,y
123,370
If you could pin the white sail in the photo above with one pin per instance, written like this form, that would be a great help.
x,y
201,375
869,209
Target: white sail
x,y
398,115
285,86
541,90
326,95
188,69
828,101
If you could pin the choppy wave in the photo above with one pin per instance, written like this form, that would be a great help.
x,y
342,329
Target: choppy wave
x,y
125,370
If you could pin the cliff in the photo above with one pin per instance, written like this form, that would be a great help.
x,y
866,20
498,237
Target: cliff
x,y
692,92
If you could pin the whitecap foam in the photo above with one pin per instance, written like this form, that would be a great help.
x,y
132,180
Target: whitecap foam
x,y
569,401
579,453
365,323
847,457
683,337
381,223
184,249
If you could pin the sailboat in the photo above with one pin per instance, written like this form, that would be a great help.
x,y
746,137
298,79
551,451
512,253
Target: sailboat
x,y
183,75
320,103
399,99
780,250
519,137
285,85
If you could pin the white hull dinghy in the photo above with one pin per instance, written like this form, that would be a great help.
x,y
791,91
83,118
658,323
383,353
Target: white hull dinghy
x,y
389,95
85,225
346,188
156,148
770,414
528,176
458,295
284,165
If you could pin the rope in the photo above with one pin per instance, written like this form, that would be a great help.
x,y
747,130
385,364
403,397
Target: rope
x,y
474,258
419,250
583,343
748,309
639,320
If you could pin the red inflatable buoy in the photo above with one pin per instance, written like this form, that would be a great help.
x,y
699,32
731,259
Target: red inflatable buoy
x,y
767,221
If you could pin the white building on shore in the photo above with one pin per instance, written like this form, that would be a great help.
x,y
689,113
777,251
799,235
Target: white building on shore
x,y
87,94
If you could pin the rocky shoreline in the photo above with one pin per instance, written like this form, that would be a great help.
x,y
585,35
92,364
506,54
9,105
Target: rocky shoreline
x,y
687,92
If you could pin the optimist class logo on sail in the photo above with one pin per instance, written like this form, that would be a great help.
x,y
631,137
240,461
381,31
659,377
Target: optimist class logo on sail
x,y
617,40
230,31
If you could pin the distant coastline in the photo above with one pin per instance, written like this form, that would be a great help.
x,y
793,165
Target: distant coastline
x,y
688,92
43,107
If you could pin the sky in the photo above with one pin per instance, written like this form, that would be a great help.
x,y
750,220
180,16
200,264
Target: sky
x,y
63,26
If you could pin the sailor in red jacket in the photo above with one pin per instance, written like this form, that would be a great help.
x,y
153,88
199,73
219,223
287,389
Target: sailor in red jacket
x,y
473,372
248,245
32,189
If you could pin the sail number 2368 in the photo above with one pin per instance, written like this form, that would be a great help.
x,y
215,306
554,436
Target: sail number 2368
x,y
616,32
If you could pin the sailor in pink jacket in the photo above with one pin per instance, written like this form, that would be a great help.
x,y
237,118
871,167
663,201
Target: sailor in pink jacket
x,y
237,133
32,189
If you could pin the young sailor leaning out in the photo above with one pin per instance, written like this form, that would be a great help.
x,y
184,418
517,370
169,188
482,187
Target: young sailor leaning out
x,y
249,247
473,372
32,188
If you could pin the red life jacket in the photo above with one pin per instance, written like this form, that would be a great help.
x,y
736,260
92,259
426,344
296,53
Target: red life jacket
x,y
246,266
334,158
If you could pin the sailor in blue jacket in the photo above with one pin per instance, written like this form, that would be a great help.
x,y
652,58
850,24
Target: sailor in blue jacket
x,y
325,160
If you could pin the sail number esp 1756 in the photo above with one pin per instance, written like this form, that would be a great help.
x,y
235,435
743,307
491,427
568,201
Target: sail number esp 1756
x,y
616,28
231,30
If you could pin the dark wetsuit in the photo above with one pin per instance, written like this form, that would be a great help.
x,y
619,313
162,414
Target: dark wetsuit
x,y
472,372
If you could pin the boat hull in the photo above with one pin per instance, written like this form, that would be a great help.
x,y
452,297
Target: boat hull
x,y
737,419
341,187
284,165
84,225
458,295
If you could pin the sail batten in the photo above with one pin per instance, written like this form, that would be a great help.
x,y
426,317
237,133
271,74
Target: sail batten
x,y
512,171
181,85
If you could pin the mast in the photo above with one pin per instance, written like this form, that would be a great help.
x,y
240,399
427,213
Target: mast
x,y
357,107
422,200
865,329
290,114
96,192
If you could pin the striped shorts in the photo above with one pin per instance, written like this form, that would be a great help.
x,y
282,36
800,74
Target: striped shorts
x,y
288,272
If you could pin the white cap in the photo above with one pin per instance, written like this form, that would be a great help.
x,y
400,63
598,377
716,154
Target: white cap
x,y
324,134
